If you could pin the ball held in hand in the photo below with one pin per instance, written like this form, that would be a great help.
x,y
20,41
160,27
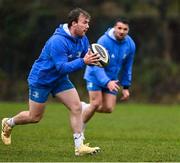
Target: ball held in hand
x,y
103,54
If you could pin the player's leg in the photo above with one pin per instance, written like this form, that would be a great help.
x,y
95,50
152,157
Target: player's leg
x,y
33,115
71,100
99,102
95,99
68,95
109,102
88,110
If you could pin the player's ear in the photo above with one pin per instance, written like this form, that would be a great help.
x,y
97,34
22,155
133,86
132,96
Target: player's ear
x,y
127,28
74,23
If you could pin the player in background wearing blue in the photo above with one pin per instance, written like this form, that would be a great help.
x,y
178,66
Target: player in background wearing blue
x,y
65,52
103,83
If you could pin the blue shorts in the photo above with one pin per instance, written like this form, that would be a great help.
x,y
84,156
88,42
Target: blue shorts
x,y
40,94
93,87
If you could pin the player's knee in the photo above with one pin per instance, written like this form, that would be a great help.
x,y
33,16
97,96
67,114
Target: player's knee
x,y
96,105
109,110
76,108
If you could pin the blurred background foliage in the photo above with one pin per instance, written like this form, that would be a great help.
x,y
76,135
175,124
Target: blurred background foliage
x,y
25,25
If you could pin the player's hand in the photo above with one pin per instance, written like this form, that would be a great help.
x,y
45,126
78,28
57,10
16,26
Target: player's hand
x,y
113,85
91,58
125,94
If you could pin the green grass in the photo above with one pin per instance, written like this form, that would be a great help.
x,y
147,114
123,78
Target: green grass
x,y
131,133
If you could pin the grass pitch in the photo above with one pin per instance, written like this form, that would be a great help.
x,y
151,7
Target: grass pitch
x,y
131,133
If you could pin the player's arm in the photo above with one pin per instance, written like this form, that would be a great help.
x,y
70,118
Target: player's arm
x,y
126,77
59,56
127,73
100,73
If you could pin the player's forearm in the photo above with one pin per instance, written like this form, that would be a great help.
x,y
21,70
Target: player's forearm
x,y
69,67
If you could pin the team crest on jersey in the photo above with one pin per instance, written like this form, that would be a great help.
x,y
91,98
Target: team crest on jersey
x,y
78,54
112,56
124,56
70,56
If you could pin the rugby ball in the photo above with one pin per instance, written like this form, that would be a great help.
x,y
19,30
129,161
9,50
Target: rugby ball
x,y
103,54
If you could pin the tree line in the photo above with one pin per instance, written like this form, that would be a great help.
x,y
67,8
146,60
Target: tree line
x,y
154,25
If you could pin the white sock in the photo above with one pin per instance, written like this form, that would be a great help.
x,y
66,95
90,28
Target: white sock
x,y
10,122
78,139
84,105
83,137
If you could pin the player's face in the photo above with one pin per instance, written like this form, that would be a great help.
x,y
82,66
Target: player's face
x,y
82,25
121,30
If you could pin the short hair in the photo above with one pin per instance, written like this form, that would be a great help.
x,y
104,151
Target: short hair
x,y
74,15
123,20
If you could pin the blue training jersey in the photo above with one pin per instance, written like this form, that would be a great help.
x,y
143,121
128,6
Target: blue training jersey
x,y
61,55
120,64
